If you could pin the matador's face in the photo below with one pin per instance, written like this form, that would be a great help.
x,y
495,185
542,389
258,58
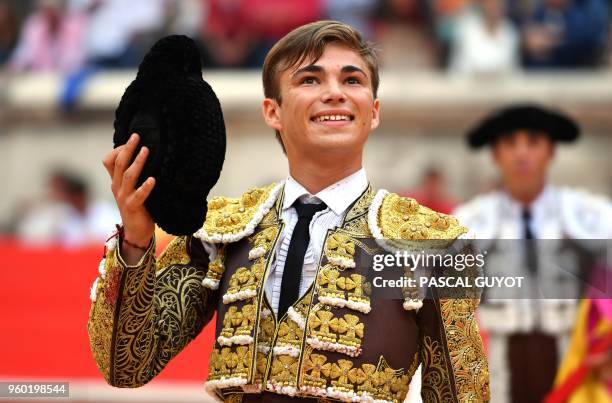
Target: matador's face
x,y
523,158
327,108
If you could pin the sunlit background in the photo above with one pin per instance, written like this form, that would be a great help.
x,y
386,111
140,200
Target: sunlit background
x,y
445,64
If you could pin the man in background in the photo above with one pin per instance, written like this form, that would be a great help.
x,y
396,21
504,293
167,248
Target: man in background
x,y
527,335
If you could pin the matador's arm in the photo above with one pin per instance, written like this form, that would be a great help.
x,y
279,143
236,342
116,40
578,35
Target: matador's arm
x,y
142,316
454,364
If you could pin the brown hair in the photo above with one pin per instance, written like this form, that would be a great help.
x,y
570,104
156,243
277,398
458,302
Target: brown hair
x,y
308,43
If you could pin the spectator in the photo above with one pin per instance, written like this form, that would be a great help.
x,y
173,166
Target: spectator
x,y
226,35
357,13
51,40
273,19
8,32
485,41
238,33
444,15
185,17
566,34
67,215
405,33
119,34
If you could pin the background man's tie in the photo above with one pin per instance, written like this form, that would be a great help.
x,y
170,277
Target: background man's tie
x,y
531,254
292,273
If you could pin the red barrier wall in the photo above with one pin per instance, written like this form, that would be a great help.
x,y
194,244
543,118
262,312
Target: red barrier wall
x,y
44,302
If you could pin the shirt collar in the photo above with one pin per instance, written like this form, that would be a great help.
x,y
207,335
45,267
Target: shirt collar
x,y
337,196
543,202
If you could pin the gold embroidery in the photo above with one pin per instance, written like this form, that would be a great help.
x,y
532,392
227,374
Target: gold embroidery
x,y
216,268
400,384
233,398
351,330
243,356
339,374
384,378
284,370
368,387
264,238
243,279
265,334
376,381
215,365
401,218
339,244
266,329
436,385
174,254
230,362
356,286
229,216
289,333
357,376
439,221
158,314
231,320
358,227
303,304
248,320
271,217
313,367
345,291
320,323
382,381
238,323
361,205
229,359
328,278
399,387
341,334
340,249
260,366
258,268
467,355
351,283
101,316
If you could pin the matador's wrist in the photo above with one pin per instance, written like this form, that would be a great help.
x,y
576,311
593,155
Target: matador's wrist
x,y
125,242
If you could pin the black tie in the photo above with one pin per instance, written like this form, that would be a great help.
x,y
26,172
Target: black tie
x,y
292,273
530,247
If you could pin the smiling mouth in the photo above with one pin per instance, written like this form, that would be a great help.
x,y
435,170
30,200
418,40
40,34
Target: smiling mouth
x,y
332,118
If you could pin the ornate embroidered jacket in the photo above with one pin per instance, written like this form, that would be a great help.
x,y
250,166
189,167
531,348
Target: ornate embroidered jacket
x,y
335,342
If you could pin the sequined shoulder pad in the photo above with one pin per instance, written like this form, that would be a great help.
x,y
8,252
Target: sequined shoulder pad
x,y
393,217
231,219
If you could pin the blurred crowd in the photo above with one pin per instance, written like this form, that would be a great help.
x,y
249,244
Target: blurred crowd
x,y
67,214
461,36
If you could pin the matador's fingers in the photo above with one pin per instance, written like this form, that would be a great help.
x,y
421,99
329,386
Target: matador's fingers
x,y
122,162
130,176
141,194
109,160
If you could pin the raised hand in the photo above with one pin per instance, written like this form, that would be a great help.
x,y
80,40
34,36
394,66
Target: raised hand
x,y
137,222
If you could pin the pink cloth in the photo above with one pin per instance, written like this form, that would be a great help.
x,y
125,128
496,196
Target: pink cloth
x,y
39,49
601,308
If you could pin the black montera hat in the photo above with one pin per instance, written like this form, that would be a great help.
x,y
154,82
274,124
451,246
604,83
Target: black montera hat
x,y
179,118
558,126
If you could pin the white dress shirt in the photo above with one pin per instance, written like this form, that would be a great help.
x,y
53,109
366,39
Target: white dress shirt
x,y
338,197
544,221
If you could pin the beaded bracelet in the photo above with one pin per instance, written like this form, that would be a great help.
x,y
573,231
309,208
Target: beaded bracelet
x,y
121,234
